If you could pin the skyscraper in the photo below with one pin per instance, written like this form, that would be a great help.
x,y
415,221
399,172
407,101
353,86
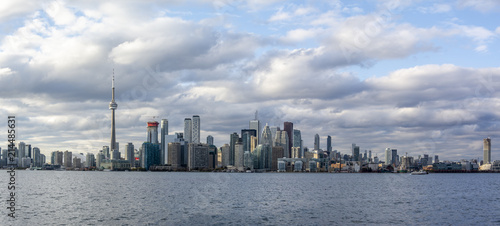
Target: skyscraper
x,y
210,140
388,156
68,159
289,131
36,157
486,150
329,144
232,142
112,106
255,125
281,139
21,149
164,131
152,132
90,160
188,130
196,129
316,142
355,152
266,137
129,155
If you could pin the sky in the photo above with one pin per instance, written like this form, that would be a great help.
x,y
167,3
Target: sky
x,y
422,77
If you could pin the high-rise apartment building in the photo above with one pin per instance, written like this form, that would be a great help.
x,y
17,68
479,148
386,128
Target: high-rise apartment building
x,y
188,130
197,156
329,144
129,154
316,142
152,132
163,133
232,142
388,156
68,159
196,129
486,150
174,154
90,160
21,147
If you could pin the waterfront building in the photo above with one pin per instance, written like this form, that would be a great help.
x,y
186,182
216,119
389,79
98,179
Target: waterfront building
x,y
129,155
395,157
100,158
277,153
152,132
298,166
262,157
150,155
212,157
67,159
37,161
486,150
436,159
248,160
90,161
210,140
117,164
197,157
77,163
225,155
163,133
239,155
316,142
281,166
255,125
196,129
288,128
116,155
188,130
174,155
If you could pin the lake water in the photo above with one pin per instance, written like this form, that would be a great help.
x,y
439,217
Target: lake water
x,y
168,198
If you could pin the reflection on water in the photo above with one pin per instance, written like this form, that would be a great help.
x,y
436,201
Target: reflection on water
x,y
161,198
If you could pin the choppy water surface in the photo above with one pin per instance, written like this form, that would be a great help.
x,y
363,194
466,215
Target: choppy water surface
x,y
160,198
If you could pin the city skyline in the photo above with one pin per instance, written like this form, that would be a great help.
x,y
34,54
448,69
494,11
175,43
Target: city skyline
x,y
372,74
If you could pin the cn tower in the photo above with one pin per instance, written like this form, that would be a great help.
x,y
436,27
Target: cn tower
x,y
113,106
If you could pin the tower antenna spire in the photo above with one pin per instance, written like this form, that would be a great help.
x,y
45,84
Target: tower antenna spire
x,y
256,114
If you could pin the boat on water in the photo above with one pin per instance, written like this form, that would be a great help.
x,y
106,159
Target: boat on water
x,y
421,172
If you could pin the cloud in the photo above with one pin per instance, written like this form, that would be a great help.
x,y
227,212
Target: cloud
x,y
303,66
435,8
480,5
